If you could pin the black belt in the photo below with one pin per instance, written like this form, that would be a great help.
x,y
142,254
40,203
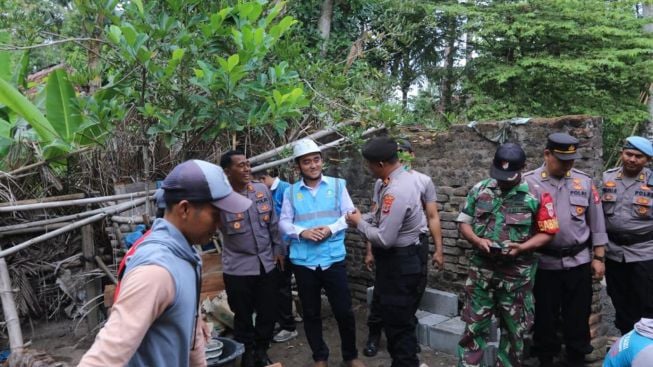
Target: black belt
x,y
397,251
627,239
561,252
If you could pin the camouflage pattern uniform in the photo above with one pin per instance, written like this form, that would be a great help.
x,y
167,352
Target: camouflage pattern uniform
x,y
498,282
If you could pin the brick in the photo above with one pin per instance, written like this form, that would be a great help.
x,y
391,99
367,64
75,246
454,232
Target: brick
x,y
444,337
455,251
461,191
450,233
439,302
595,319
448,216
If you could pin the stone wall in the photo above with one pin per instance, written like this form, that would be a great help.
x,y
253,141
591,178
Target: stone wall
x,y
456,160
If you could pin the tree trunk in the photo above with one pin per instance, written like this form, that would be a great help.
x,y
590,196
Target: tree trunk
x,y
647,12
324,23
446,90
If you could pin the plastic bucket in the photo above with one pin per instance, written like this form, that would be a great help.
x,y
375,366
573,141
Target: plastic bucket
x,y
231,350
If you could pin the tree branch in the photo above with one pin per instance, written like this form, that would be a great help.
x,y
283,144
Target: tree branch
x,y
4,47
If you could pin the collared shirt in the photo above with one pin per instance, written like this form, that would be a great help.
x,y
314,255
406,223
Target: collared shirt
x,y
290,229
579,212
251,238
399,219
427,193
628,209
275,183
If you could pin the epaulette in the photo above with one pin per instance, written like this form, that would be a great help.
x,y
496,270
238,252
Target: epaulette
x,y
612,170
529,173
580,172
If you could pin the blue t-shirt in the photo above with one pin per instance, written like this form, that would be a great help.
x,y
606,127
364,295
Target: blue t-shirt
x,y
631,350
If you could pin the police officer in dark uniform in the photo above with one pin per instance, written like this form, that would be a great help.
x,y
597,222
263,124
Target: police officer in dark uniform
x,y
563,282
394,230
627,196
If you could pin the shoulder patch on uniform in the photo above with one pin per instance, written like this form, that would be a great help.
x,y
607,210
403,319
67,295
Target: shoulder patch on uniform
x,y
528,173
610,184
595,195
387,200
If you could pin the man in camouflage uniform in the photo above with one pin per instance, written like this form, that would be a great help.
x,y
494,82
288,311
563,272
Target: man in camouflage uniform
x,y
627,196
505,222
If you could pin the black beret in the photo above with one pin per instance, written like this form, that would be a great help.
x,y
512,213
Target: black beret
x,y
380,149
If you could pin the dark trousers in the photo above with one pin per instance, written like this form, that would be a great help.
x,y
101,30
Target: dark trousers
x,y
334,282
399,285
285,319
630,286
247,294
374,321
567,294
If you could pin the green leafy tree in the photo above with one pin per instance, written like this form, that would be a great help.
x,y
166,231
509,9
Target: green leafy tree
x,y
548,58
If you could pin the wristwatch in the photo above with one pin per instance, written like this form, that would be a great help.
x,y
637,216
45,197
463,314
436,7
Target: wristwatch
x,y
599,258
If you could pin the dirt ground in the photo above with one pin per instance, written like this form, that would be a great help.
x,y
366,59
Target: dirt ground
x,y
297,353
67,344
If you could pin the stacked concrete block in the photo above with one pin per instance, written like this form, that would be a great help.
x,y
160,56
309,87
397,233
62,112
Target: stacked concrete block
x,y
439,302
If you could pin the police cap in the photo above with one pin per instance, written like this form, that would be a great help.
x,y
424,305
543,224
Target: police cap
x,y
639,143
563,146
405,146
508,162
380,149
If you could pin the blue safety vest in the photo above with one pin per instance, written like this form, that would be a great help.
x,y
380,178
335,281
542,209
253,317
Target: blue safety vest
x,y
631,350
319,210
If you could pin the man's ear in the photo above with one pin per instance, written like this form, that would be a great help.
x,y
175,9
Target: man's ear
x,y
181,209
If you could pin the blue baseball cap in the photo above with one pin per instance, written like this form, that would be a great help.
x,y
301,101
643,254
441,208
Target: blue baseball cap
x,y
639,143
200,182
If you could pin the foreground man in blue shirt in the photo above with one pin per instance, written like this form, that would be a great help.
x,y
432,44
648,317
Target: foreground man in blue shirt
x,y
634,349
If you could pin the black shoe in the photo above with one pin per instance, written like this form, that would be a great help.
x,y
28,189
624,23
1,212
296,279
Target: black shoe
x,y
371,348
262,359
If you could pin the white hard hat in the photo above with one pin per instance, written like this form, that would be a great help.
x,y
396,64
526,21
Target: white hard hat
x,y
303,147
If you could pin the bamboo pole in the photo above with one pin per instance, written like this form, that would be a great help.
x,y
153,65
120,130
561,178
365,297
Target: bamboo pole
x,y
118,208
52,234
106,269
9,309
314,136
322,148
41,163
57,204
127,220
45,200
35,229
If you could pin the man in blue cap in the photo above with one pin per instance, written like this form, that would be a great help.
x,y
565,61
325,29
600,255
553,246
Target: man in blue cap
x,y
627,197
155,319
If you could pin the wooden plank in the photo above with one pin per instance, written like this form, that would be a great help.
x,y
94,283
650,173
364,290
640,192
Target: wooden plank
x,y
92,286
212,280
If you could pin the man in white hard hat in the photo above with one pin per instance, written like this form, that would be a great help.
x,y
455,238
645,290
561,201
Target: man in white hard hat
x,y
313,218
